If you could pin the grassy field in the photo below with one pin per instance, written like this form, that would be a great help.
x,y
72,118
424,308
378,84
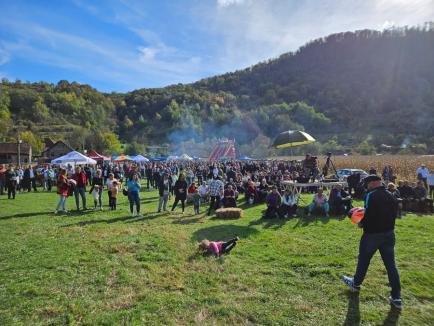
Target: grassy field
x,y
106,268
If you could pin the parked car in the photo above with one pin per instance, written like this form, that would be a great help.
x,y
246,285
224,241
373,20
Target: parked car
x,y
344,173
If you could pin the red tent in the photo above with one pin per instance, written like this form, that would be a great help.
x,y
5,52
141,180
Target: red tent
x,y
97,157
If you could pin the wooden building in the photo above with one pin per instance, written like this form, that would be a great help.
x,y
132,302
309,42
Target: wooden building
x,y
9,153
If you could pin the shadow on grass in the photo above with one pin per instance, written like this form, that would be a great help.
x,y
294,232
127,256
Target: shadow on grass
x,y
127,219
24,215
305,220
274,223
353,310
148,216
196,219
223,232
392,317
148,200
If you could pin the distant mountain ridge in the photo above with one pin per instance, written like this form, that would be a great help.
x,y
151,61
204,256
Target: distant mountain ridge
x,y
353,90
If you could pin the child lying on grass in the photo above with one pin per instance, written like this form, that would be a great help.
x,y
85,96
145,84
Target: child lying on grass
x,y
216,248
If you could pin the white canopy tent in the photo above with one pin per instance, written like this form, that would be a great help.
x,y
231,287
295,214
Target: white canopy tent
x,y
75,158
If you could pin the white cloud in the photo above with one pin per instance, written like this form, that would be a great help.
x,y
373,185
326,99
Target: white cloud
x,y
387,24
227,3
257,30
147,54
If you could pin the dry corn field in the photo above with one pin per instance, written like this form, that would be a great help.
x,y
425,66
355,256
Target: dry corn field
x,y
404,166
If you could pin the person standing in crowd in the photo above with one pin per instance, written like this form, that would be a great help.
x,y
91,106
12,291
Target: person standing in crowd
x,y
422,174
32,179
180,190
430,182
11,181
80,189
97,186
2,179
48,178
203,192
133,185
62,191
20,179
378,234
148,173
114,195
164,189
26,185
372,171
215,191
88,172
109,182
353,181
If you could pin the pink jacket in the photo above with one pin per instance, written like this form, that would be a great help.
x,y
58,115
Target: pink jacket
x,y
215,247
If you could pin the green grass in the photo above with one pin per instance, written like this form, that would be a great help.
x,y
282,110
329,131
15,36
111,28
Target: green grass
x,y
104,268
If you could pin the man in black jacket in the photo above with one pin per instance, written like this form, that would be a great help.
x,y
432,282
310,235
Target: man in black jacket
x,y
378,234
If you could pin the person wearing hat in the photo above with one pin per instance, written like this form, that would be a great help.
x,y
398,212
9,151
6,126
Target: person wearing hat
x,y
378,225
422,174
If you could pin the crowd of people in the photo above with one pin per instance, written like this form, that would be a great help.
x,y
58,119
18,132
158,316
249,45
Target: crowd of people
x,y
217,184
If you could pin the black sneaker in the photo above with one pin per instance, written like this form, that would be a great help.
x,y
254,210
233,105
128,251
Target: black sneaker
x,y
349,281
397,303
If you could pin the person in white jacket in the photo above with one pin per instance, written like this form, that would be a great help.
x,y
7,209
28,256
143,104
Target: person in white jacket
x,y
289,204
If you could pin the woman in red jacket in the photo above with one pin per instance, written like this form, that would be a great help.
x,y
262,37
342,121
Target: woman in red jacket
x,y
62,190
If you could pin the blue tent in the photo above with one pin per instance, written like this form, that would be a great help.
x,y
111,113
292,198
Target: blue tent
x,y
244,158
158,159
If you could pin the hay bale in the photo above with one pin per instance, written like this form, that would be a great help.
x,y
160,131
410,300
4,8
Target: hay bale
x,y
231,212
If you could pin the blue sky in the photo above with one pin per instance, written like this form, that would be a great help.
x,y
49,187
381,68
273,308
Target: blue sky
x,y
121,45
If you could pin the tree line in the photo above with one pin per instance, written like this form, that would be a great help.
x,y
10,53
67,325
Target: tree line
x,y
363,91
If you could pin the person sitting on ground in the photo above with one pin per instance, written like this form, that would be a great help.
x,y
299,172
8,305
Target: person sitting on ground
x,y
339,200
420,197
407,194
251,192
395,192
229,197
263,190
289,204
216,248
319,202
273,201
234,186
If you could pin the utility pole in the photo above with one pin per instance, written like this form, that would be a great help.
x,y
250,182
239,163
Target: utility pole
x,y
19,141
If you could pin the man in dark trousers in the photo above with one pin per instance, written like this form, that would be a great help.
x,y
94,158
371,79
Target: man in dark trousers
x,y
378,225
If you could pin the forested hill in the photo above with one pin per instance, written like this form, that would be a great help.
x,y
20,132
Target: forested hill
x,y
366,81
350,90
